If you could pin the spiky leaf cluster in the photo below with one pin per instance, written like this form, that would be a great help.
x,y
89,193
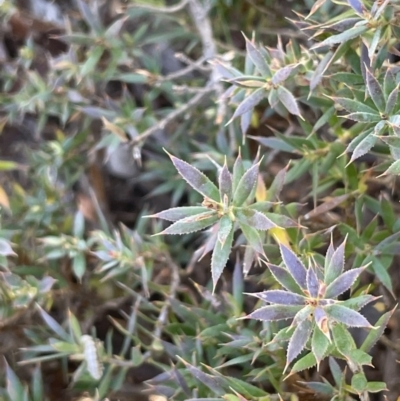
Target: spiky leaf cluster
x,y
225,208
309,298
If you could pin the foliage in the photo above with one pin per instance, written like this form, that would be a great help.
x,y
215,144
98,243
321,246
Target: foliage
x,y
303,231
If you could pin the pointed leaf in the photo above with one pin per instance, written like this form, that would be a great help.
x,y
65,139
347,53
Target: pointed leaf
x,y
288,100
246,185
389,83
343,340
272,313
295,267
374,335
225,227
191,224
249,102
343,282
354,106
392,100
347,316
319,344
53,325
299,340
358,302
253,237
321,68
196,179
342,37
306,362
393,169
283,277
179,213
334,262
257,58
225,183
238,171
312,283
280,297
357,6
336,371
375,91
254,219
363,117
305,313
220,256
284,73
363,147
322,321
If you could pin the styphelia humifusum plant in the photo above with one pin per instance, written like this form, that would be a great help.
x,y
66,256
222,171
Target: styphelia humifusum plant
x,y
309,297
225,208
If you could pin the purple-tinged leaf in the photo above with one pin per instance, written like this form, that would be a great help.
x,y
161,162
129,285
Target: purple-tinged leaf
x,y
238,171
375,91
273,97
344,24
220,257
225,183
262,206
257,58
295,267
249,102
321,68
225,227
358,302
283,277
348,317
280,297
178,213
5,248
284,73
289,101
306,362
254,219
214,383
246,185
298,341
329,254
253,237
196,179
392,100
357,6
374,335
319,345
342,37
273,313
363,117
354,106
191,224
365,62
315,7
343,282
382,6
363,147
322,321
334,262
312,283
245,121
389,82
281,220
250,256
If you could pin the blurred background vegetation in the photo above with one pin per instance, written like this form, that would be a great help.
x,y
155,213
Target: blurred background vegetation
x,y
92,306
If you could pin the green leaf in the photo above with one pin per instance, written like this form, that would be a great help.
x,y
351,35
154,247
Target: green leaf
x,y
342,37
53,325
179,213
225,183
306,362
343,340
253,237
246,185
191,224
363,117
363,147
375,91
15,389
79,265
254,219
91,62
257,58
319,344
349,317
238,171
196,179
225,227
288,100
376,387
360,358
359,382
249,102
393,169
374,335
354,106
220,257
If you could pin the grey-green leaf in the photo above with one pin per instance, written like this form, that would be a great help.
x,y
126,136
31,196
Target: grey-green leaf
x,y
288,100
245,185
191,224
249,102
196,179
343,37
